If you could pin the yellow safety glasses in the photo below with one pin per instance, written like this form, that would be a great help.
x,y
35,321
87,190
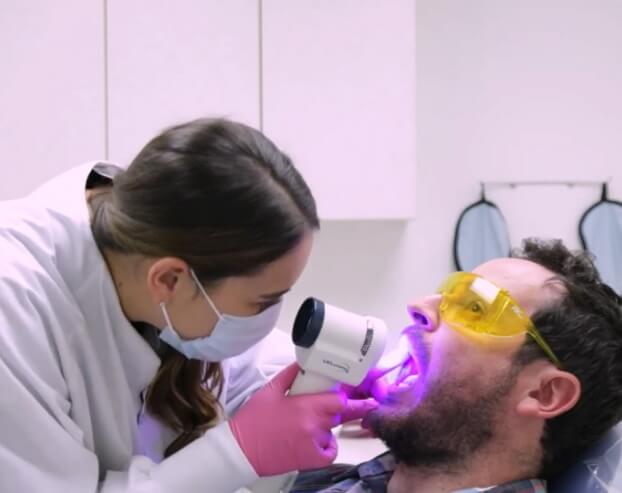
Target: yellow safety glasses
x,y
473,304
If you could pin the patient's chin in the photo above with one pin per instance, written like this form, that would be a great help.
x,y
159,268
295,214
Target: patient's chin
x,y
432,436
440,428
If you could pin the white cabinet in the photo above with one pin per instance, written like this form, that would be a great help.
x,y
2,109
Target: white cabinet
x,y
339,97
170,62
52,90
332,82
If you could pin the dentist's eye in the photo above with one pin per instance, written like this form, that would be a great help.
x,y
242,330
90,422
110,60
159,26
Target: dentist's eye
x,y
264,305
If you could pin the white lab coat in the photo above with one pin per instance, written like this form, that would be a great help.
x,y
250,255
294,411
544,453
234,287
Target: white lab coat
x,y
72,368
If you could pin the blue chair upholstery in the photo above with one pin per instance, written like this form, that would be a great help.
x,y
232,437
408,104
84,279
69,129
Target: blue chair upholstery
x,y
599,470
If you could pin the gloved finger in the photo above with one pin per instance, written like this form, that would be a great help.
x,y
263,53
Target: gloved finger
x,y
327,421
328,403
357,409
353,392
285,378
328,449
374,384
364,389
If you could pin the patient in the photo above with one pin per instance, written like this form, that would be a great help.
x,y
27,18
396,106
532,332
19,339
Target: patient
x,y
503,413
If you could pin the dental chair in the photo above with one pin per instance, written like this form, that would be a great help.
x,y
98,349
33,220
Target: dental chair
x,y
599,470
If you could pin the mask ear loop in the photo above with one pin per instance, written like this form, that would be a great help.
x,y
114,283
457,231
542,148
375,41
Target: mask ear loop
x,y
166,317
205,295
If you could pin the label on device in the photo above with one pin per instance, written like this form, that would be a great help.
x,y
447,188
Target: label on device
x,y
369,336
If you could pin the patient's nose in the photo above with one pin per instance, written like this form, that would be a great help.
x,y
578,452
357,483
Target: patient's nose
x,y
424,312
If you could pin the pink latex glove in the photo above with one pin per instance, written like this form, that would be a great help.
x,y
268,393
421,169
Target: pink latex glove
x,y
279,433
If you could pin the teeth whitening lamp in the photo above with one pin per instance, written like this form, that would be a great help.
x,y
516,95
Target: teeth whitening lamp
x,y
333,346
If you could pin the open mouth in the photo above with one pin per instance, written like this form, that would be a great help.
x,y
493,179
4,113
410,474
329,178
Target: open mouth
x,y
404,377
408,374
403,370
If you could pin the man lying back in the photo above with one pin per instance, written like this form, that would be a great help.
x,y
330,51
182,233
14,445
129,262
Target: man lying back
x,y
519,369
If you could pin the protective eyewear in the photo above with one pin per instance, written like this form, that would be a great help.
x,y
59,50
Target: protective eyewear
x,y
473,304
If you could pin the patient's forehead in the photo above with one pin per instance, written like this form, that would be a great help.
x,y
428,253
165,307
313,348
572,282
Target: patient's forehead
x,y
526,281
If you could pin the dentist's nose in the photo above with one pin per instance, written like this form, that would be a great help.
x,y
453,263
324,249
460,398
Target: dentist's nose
x,y
424,312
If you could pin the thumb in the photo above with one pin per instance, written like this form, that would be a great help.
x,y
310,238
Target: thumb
x,y
284,379
357,409
327,453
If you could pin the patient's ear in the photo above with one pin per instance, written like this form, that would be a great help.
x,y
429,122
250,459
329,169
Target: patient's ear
x,y
548,392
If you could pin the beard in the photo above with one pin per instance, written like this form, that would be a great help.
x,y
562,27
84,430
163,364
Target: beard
x,y
443,425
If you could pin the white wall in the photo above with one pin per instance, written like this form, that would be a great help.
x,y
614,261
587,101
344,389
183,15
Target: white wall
x,y
506,90
51,90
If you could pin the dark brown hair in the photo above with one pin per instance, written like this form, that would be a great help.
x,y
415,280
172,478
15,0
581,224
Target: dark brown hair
x,y
222,197
584,330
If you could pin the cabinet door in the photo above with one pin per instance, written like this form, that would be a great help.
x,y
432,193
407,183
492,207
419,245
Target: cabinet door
x,y
339,96
52,90
170,62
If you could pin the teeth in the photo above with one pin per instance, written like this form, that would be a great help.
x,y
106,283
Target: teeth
x,y
410,380
409,369
414,365
407,382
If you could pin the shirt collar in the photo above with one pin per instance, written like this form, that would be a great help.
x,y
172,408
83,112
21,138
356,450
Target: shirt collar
x,y
377,472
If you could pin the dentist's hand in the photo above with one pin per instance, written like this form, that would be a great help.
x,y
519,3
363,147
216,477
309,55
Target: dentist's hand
x,y
279,433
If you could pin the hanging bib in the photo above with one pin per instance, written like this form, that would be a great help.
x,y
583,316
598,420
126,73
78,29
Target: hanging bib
x,y
600,230
481,235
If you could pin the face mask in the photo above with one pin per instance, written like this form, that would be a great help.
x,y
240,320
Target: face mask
x,y
231,336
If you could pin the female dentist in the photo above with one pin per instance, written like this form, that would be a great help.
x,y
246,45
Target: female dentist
x,y
129,300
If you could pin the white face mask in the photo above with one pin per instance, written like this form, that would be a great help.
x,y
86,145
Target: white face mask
x,y
231,336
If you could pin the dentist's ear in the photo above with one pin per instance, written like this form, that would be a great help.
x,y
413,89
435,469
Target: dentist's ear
x,y
163,278
548,393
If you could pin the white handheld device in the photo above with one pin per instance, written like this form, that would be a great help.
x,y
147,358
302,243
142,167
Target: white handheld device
x,y
333,346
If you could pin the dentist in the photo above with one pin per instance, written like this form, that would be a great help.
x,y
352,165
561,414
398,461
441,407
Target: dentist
x,y
130,304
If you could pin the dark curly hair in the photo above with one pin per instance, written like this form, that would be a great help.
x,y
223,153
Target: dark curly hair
x,y
584,329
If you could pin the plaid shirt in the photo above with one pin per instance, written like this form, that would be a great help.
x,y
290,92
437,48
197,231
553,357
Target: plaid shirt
x,y
374,476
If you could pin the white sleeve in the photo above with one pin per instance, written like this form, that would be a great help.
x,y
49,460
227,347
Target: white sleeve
x,y
37,453
43,449
213,463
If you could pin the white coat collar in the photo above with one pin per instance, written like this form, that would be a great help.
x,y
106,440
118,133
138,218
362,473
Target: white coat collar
x,y
85,271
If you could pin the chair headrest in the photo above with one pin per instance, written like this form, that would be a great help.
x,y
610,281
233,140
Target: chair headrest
x,y
598,470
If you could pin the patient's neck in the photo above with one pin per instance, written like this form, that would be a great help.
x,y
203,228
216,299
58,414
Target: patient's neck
x,y
410,480
493,465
